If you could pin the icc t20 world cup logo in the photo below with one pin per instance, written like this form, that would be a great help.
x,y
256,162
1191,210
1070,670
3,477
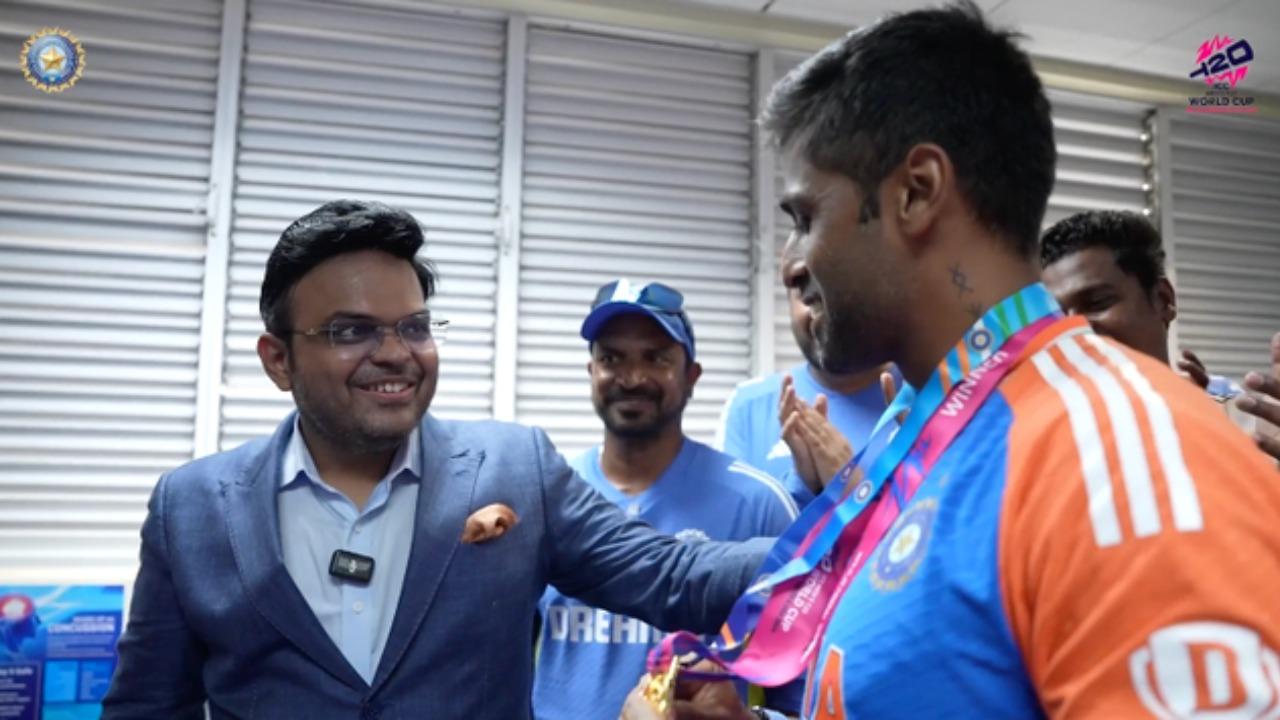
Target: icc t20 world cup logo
x,y
1222,62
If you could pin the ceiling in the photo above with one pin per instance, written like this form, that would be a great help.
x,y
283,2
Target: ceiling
x,y
1158,37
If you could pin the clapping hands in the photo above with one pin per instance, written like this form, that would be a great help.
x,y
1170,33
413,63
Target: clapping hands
x,y
818,449
1265,404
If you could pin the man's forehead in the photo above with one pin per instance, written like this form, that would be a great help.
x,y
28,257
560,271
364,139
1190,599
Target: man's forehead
x,y
806,184
368,283
1085,269
797,170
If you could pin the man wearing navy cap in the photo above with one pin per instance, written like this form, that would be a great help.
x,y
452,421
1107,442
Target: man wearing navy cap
x,y
643,369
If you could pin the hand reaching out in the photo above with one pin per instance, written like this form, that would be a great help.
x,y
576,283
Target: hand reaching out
x,y
1193,369
1265,404
695,700
635,707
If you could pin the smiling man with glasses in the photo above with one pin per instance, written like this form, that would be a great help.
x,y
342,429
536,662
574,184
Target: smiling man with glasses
x,y
369,560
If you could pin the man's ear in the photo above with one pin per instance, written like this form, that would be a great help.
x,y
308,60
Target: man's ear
x,y
274,354
692,373
1166,301
923,184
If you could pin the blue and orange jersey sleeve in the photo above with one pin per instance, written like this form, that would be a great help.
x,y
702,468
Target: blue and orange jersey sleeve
x,y
1139,541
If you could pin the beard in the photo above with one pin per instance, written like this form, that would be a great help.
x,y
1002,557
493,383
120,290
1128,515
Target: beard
x,y
353,438
844,338
805,342
625,423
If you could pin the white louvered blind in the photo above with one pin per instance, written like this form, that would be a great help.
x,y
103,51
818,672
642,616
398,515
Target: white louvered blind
x,y
1104,156
637,164
102,240
399,106
1103,164
1225,175
786,354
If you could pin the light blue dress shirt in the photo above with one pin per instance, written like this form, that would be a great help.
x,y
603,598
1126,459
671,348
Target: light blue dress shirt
x,y
316,519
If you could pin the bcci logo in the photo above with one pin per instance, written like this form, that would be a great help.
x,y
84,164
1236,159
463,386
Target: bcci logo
x,y
52,60
1222,62
980,340
900,553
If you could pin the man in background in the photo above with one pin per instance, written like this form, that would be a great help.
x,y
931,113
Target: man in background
x,y
643,370
1109,267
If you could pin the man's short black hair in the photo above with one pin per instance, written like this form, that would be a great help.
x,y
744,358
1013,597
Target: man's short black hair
x,y
1130,237
938,76
337,227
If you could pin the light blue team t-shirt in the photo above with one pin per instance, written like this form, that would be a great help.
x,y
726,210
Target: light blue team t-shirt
x,y
750,431
589,658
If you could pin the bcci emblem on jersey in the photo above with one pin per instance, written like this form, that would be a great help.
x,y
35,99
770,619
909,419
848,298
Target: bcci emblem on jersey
x,y
52,60
901,551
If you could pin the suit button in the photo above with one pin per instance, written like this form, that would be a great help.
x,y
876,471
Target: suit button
x,y
370,712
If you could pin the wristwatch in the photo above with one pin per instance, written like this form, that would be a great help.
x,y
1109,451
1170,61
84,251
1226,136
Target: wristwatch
x,y
762,713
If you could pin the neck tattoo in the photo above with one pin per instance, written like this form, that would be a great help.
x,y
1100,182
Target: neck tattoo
x,y
961,281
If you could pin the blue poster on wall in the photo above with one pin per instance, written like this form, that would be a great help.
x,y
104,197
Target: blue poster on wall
x,y
57,649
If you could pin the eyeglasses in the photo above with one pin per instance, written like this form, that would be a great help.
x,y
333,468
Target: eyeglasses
x,y
361,338
654,294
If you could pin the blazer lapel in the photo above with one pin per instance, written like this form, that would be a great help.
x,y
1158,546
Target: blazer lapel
x,y
444,499
254,529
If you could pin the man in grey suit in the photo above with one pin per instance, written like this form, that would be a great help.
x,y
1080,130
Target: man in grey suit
x,y
368,560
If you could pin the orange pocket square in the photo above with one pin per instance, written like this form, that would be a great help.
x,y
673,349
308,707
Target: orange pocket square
x,y
489,523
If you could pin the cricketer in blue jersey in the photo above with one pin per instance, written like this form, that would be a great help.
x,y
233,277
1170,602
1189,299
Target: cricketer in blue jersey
x,y
1063,528
642,374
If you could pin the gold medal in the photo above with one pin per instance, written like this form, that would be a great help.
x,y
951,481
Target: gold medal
x,y
660,690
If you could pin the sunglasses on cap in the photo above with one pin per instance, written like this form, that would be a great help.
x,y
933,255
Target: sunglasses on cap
x,y
654,295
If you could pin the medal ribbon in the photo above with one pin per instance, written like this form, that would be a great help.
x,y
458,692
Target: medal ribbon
x,y
777,624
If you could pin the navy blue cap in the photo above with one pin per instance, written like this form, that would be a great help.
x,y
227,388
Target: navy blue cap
x,y
662,303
